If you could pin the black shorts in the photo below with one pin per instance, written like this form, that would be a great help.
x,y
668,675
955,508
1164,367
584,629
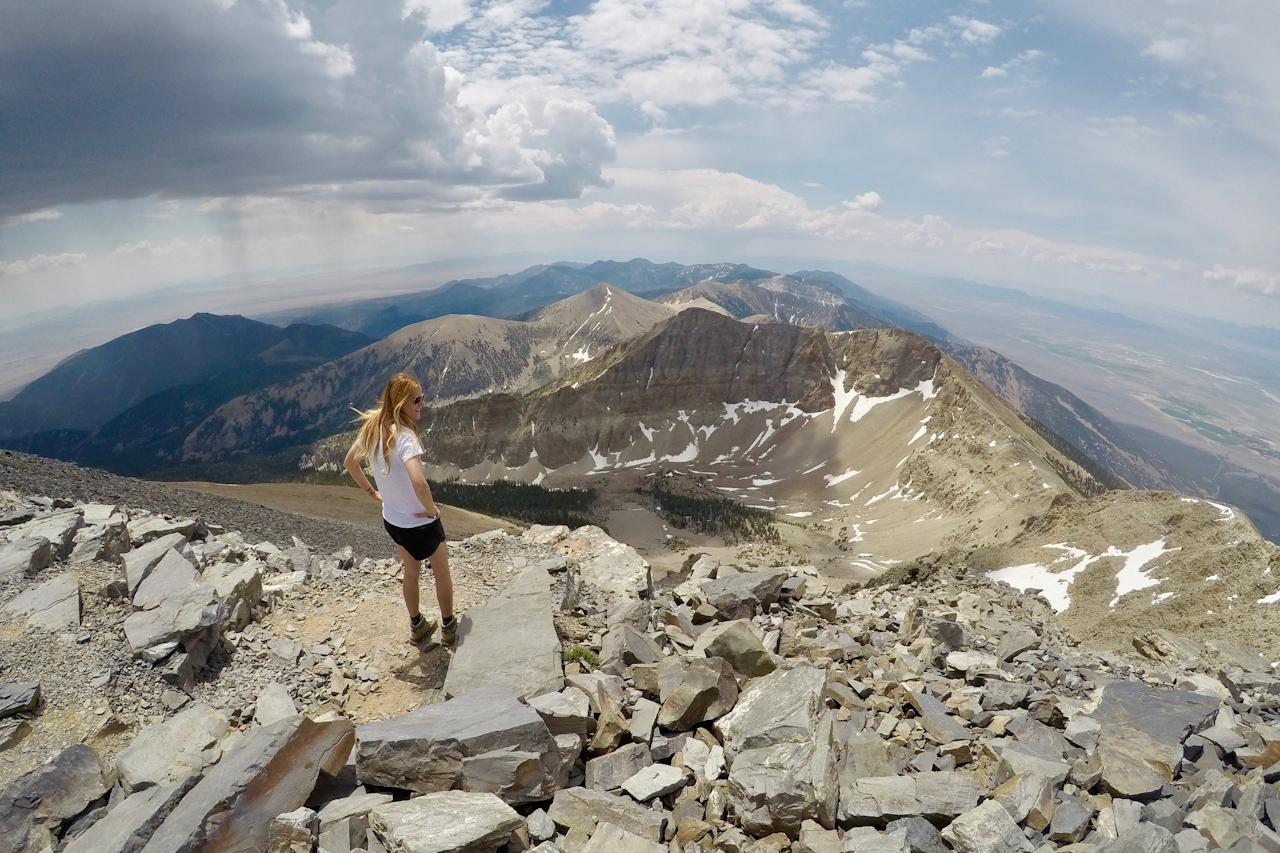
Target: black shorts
x,y
420,542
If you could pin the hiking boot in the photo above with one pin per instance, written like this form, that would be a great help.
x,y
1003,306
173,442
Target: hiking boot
x,y
449,631
422,630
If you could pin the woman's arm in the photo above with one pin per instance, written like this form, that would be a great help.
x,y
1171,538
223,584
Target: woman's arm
x,y
420,488
352,464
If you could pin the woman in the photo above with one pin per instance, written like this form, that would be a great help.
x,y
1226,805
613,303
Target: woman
x,y
388,441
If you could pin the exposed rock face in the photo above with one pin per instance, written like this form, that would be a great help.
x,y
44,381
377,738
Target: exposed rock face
x,y
446,822
484,355
511,641
34,806
51,605
270,771
483,741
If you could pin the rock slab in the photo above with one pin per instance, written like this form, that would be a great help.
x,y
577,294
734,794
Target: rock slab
x,y
445,822
510,640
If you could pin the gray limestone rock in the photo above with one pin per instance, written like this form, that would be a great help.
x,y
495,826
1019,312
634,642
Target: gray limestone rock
x,y
737,643
866,839
446,822
629,645
18,698
778,787
607,772
566,712
238,586
1071,819
656,780
1001,695
1125,772
139,562
59,527
922,836
780,707
937,796
294,832
27,555
486,740
271,770
742,595
174,577
52,605
34,805
510,640
103,540
1016,642
701,689
614,839
579,808
936,719
986,829
1145,838
616,571
159,526
1166,716
128,826
644,716
168,751
541,827
274,704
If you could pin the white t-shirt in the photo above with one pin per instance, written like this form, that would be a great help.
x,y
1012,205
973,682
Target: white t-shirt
x,y
399,501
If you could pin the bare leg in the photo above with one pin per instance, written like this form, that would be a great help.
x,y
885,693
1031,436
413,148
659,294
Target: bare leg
x,y
412,570
444,581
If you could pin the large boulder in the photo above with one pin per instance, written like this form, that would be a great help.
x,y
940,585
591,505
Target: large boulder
x,y
583,810
27,555
986,829
36,804
937,796
169,751
485,741
446,822
52,605
139,562
271,770
743,595
782,757
59,527
511,640
616,572
694,690
737,643
18,698
127,827
175,606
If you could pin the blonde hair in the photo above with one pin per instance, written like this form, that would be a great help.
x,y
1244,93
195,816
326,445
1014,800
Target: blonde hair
x,y
378,423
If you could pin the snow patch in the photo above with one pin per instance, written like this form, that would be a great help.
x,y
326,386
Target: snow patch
x,y
916,437
799,514
1132,576
835,479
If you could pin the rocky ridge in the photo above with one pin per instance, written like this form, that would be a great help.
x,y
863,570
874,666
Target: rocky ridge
x,y
721,708
454,357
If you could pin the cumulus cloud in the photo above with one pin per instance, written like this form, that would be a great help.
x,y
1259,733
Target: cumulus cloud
x,y
41,262
1170,49
1246,278
264,96
973,31
993,71
1190,119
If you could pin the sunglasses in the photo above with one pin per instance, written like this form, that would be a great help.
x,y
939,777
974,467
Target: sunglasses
x,y
417,399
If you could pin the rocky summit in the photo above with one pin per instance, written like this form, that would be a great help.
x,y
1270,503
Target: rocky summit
x,y
168,685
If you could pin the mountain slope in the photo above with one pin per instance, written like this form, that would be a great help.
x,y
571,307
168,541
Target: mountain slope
x,y
784,298
146,437
851,429
93,386
455,356
517,295
809,298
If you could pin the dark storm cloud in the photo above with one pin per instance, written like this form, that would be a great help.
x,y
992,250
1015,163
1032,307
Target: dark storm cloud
x,y
113,99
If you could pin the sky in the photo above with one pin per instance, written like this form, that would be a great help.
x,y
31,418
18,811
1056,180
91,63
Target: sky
x,y
1119,149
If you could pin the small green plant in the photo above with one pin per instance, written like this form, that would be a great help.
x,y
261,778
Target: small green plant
x,y
582,654
675,543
